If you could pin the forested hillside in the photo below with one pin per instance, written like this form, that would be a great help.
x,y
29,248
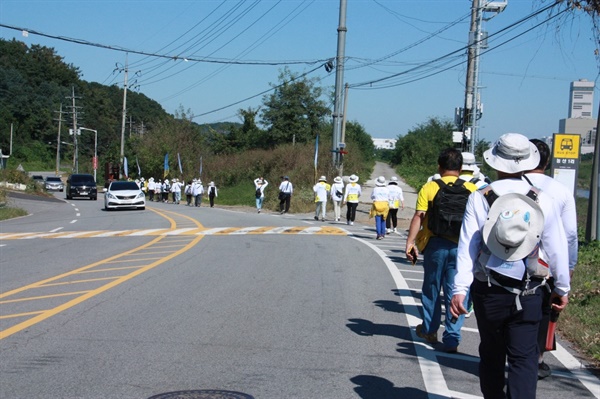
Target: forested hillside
x,y
35,82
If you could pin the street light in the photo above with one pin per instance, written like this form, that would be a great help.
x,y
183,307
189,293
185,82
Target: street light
x,y
95,162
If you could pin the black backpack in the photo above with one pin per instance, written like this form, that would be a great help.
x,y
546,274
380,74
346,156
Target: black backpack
x,y
446,211
258,193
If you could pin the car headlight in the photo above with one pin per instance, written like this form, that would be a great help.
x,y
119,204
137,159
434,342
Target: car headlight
x,y
109,195
140,195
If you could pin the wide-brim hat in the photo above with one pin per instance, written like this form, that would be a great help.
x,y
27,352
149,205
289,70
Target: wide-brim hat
x,y
468,161
353,179
513,227
380,181
322,178
337,179
512,153
393,180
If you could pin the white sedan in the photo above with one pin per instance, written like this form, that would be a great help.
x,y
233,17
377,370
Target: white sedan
x,y
124,194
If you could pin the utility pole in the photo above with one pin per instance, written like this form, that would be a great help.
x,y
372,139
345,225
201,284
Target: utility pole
x,y
592,231
60,120
343,137
74,111
122,154
470,110
339,83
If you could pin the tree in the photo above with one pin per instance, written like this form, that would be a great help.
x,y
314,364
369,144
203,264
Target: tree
x,y
294,110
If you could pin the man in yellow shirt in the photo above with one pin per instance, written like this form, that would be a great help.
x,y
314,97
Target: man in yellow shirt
x,y
439,254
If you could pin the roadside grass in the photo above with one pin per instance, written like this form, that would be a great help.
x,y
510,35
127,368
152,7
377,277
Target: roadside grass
x,y
580,322
9,213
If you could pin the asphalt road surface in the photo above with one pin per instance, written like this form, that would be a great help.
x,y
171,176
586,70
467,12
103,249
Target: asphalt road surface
x,y
222,303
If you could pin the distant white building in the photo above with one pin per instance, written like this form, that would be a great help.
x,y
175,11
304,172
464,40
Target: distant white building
x,y
580,120
384,144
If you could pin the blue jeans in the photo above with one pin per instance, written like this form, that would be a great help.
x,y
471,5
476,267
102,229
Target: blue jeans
x,y
259,202
380,225
439,262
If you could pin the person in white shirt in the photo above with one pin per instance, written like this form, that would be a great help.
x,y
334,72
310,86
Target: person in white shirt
x,y
259,186
470,172
563,198
381,206
287,189
337,195
396,200
321,189
508,320
351,196
176,190
212,193
197,191
151,188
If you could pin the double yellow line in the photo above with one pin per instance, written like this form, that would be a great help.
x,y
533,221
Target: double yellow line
x,y
158,251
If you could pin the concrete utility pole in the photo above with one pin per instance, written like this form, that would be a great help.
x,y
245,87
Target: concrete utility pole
x,y
74,111
60,120
339,83
592,231
470,110
122,154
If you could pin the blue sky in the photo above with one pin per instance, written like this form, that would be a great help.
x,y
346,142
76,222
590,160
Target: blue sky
x,y
524,83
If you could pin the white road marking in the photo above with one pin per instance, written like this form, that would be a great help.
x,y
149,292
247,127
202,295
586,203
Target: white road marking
x,y
56,229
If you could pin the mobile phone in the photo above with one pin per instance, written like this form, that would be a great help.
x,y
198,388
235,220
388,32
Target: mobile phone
x,y
413,253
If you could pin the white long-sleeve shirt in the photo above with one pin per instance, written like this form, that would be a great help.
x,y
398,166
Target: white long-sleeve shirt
x,y
335,187
470,242
352,193
565,202
396,197
262,186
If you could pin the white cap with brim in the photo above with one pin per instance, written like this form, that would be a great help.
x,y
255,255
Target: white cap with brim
x,y
513,227
512,153
468,162
353,179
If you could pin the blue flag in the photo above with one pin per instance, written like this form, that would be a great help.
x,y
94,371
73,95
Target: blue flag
x,y
166,172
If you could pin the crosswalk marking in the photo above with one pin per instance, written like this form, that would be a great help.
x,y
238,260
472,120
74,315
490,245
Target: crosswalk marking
x,y
218,231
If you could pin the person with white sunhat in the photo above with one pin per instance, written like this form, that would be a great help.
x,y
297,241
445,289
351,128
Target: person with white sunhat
x,y
336,193
259,186
321,189
498,260
467,172
351,196
380,206
396,200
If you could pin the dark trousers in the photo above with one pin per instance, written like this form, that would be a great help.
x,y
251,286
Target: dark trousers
x,y
507,335
211,199
393,218
351,210
284,204
151,193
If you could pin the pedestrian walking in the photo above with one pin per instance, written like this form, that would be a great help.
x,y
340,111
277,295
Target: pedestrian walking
x,y
188,192
321,189
381,206
498,260
151,188
396,200
438,203
259,186
286,189
176,190
212,193
197,191
351,196
564,200
336,193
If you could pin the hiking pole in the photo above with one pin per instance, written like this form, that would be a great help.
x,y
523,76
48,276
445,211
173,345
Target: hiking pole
x,y
551,329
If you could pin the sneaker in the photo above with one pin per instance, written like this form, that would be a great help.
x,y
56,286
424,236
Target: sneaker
x,y
388,231
469,311
431,338
316,218
395,230
259,211
322,219
351,223
543,371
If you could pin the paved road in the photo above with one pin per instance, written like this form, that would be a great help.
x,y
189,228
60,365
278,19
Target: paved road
x,y
130,304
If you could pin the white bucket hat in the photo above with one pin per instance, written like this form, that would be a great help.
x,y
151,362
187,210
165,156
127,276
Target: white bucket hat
x,y
322,178
468,161
514,227
512,153
380,181
353,178
338,179
393,180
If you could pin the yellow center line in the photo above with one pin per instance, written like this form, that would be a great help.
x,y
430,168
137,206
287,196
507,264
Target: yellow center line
x,y
16,315
33,298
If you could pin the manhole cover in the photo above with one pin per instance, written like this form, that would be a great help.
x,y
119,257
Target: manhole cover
x,y
203,394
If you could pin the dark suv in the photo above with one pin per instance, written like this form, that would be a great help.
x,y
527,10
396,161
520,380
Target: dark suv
x,y
81,185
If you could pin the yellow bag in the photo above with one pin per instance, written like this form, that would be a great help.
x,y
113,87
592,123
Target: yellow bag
x,y
422,238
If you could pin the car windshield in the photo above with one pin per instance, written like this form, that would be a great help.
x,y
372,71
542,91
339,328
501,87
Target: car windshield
x,y
53,179
123,185
82,179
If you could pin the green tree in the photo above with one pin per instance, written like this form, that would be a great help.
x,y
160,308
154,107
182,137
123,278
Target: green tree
x,y
294,111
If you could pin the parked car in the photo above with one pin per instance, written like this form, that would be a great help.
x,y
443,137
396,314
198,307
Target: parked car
x,y
124,194
54,183
81,185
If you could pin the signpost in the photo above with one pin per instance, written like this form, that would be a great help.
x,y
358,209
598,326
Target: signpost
x,y
566,149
